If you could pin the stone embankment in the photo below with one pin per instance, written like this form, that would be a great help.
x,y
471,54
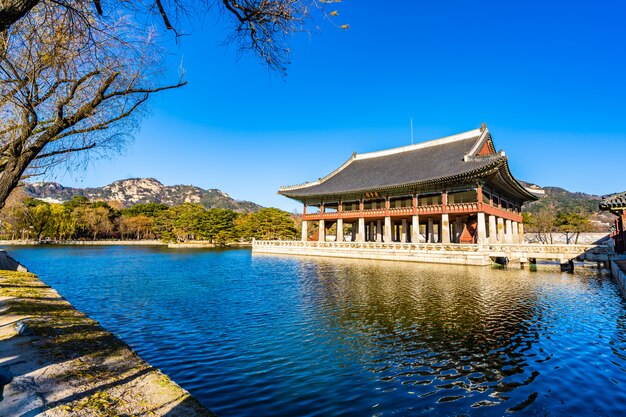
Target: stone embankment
x,y
63,363
618,269
84,242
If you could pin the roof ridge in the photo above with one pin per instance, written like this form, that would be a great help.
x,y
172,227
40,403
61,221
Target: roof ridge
x,y
434,142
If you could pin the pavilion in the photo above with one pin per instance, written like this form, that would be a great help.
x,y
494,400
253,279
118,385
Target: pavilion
x,y
616,204
456,189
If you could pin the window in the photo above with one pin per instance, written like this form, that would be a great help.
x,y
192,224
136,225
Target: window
x,y
469,196
399,202
429,200
351,206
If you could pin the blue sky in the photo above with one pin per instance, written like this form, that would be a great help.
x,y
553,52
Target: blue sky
x,y
548,78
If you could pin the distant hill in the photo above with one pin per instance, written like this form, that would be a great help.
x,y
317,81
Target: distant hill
x,y
140,190
560,199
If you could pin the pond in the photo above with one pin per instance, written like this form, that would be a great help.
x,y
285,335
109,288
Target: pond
x,y
295,336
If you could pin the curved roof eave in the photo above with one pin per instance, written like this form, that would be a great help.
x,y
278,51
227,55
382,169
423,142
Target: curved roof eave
x,y
471,174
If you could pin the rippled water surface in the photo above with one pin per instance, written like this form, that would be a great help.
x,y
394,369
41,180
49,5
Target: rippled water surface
x,y
263,336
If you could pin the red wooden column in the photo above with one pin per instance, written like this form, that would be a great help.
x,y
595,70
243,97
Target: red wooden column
x,y
304,210
479,193
414,204
387,206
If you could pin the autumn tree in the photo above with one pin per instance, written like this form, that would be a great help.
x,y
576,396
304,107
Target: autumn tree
x,y
93,220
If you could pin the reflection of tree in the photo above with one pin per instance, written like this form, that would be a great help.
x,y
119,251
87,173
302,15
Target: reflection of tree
x,y
434,329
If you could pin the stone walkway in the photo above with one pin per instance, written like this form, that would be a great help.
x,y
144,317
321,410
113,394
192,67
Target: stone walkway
x,y
66,364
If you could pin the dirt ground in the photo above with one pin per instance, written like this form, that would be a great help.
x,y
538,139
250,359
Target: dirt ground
x,y
67,365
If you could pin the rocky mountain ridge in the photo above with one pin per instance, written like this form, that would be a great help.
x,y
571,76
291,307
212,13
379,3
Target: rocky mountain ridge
x,y
140,190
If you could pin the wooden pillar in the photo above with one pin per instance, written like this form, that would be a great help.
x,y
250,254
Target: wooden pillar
x,y
500,230
339,230
305,231
482,229
415,235
379,231
388,231
444,229
493,231
322,231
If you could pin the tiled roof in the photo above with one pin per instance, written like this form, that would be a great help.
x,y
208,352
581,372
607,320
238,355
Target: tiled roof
x,y
413,165
614,201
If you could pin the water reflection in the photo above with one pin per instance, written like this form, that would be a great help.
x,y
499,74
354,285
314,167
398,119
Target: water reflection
x,y
449,334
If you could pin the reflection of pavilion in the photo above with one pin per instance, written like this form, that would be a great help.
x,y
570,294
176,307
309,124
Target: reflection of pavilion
x,y
431,329
455,189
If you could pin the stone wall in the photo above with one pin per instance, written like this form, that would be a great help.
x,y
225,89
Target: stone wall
x,y
562,238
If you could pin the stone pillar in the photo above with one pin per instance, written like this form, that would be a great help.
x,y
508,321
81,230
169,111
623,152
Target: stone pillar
x,y
459,230
388,230
405,233
500,230
322,232
339,230
415,235
493,233
361,231
430,232
515,230
379,231
355,228
482,229
520,227
305,230
444,230
372,232
508,233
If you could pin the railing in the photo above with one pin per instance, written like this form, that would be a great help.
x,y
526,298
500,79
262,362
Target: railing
x,y
491,249
368,245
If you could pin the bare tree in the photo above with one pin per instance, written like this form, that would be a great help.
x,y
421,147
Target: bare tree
x,y
74,75
261,26
68,83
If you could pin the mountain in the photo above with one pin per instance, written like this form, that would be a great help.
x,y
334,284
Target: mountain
x,y
559,199
140,190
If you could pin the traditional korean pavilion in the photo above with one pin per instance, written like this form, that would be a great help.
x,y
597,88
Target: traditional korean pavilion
x,y
455,189
616,204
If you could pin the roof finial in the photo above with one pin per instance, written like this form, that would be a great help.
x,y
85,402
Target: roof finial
x,y
483,127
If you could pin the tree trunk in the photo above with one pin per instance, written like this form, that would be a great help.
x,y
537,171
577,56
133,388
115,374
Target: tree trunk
x,y
13,10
